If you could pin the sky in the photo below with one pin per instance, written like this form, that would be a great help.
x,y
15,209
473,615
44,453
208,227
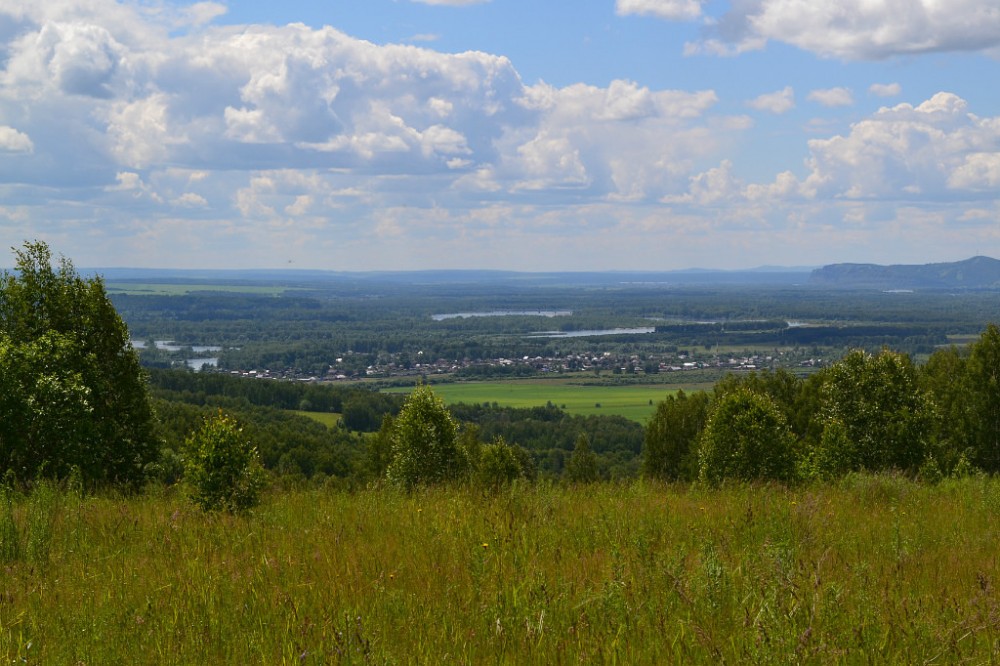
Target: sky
x,y
529,135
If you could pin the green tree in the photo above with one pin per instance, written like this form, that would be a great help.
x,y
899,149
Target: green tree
x,y
984,398
498,465
425,442
221,467
70,360
582,465
746,438
881,417
946,378
670,447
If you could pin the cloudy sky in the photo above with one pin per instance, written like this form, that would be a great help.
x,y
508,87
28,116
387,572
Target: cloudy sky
x,y
510,134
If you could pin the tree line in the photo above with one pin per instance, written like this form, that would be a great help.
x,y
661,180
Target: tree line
x,y
75,401
867,412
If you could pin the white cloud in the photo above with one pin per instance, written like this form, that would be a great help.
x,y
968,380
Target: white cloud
x,y
12,141
858,29
935,150
781,101
190,200
673,10
832,97
885,89
78,59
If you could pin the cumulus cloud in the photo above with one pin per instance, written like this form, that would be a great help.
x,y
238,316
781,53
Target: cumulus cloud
x,y
857,29
673,10
12,141
832,97
931,151
885,89
781,101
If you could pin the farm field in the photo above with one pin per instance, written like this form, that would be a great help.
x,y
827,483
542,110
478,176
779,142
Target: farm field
x,y
328,419
183,289
635,402
871,569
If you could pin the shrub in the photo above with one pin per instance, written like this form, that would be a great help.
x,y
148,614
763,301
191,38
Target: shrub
x,y
72,393
582,465
424,439
498,465
746,438
222,468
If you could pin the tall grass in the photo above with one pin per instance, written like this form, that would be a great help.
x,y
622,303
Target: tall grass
x,y
872,569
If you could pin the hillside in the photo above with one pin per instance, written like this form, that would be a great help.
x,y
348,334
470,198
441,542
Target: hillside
x,y
975,273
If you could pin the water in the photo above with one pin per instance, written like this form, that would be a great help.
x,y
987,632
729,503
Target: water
x,y
503,313
198,363
592,332
171,346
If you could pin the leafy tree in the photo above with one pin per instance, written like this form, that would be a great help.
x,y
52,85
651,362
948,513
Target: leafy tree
x,y
72,390
221,467
746,438
881,417
498,465
425,442
582,464
378,448
984,397
946,378
671,443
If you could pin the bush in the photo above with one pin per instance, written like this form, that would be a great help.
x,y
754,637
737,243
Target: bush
x,y
746,438
222,468
498,465
72,393
424,439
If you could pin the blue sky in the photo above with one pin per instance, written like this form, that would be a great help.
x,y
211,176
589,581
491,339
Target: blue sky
x,y
507,134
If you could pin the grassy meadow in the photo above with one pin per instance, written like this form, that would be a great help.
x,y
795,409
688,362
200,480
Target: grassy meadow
x,y
867,570
329,419
634,402
185,288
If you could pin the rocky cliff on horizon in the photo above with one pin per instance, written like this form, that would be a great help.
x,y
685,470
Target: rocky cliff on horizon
x,y
975,273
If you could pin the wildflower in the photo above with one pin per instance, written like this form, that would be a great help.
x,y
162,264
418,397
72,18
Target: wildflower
x,y
486,545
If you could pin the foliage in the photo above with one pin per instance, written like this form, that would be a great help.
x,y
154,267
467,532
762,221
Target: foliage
x,y
221,467
498,465
984,399
746,438
670,451
425,442
882,418
582,464
72,393
874,570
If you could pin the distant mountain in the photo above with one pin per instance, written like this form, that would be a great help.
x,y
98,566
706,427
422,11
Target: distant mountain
x,y
974,273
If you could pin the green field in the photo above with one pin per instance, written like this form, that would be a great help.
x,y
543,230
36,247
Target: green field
x,y
633,402
870,570
326,418
177,289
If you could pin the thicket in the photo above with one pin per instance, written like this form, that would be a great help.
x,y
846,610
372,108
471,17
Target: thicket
x,y
73,397
865,413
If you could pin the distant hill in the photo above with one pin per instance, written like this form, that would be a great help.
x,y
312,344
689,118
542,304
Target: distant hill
x,y
974,273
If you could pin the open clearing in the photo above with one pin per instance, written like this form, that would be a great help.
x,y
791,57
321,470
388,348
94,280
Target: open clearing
x,y
328,419
183,289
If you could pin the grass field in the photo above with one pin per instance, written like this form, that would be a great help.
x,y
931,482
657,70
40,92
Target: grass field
x,y
633,402
326,418
175,289
868,570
